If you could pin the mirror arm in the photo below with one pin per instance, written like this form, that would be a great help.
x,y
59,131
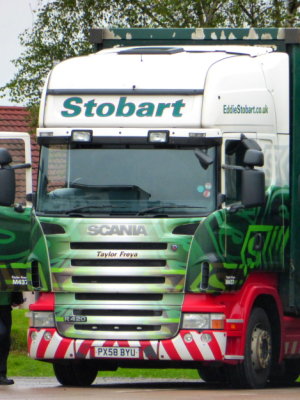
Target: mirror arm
x,y
233,167
236,207
20,166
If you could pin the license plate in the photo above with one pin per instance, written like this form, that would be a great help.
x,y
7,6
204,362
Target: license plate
x,y
117,352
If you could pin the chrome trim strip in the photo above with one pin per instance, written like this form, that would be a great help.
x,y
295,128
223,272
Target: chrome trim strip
x,y
234,357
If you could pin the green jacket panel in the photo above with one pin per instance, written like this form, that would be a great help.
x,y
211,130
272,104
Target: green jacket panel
x,y
5,298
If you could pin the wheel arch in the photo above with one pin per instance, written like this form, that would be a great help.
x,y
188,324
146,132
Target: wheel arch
x,y
261,290
266,297
269,305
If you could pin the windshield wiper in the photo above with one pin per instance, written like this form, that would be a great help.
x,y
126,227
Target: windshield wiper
x,y
148,210
99,207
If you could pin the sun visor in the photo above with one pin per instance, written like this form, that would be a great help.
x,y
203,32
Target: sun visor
x,y
129,88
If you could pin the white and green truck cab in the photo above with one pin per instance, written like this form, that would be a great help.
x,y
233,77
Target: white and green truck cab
x,y
169,208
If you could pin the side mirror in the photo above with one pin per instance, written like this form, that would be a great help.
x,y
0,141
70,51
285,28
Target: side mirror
x,y
253,188
7,179
253,158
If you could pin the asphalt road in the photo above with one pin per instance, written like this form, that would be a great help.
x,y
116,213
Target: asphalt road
x,y
138,389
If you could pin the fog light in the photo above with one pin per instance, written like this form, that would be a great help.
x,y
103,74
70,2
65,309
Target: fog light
x,y
206,338
48,336
33,336
188,338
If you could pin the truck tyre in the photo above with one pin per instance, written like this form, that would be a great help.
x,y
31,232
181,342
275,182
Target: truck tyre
x,y
288,373
75,373
212,374
292,371
254,371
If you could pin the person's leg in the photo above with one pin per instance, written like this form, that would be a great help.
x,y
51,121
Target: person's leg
x,y
5,329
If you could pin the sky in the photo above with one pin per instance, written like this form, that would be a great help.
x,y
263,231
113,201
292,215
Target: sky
x,y
15,17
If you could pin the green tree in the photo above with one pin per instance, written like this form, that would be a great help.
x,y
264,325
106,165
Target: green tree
x,y
61,29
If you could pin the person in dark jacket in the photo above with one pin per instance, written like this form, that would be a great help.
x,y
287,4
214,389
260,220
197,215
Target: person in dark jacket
x,y
7,300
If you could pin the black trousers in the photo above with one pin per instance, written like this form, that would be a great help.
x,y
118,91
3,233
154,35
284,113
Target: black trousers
x,y
5,328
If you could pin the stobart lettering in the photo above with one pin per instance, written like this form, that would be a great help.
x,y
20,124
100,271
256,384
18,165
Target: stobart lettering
x,y
75,106
119,230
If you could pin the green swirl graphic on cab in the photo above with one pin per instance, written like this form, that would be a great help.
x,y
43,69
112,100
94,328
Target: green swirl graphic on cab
x,y
227,245
22,246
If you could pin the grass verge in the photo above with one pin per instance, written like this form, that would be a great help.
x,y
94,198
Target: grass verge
x,y
21,365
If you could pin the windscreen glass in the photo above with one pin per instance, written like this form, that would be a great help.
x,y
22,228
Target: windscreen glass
x,y
126,180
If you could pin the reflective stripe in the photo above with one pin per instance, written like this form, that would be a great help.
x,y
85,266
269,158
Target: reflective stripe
x,y
186,346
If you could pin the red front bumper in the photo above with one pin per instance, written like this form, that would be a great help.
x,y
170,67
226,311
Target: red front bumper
x,y
47,344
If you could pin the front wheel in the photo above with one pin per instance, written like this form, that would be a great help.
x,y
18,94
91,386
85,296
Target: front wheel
x,y
75,373
254,371
212,374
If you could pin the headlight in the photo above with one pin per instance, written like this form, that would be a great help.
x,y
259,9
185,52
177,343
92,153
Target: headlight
x,y
42,319
203,321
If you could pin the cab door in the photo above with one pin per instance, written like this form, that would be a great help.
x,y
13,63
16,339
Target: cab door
x,y
256,237
15,218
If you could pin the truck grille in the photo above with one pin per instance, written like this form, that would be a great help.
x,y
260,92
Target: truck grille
x,y
118,263
118,296
120,290
118,280
118,246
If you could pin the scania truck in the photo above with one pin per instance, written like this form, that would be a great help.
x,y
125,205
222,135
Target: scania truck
x,y
166,218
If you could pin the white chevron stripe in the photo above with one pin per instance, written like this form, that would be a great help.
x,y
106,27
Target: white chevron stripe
x,y
203,347
78,343
221,338
70,350
35,343
181,348
98,343
53,346
134,343
163,355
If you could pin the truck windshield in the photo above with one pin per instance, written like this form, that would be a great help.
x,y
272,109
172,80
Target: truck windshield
x,y
129,181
